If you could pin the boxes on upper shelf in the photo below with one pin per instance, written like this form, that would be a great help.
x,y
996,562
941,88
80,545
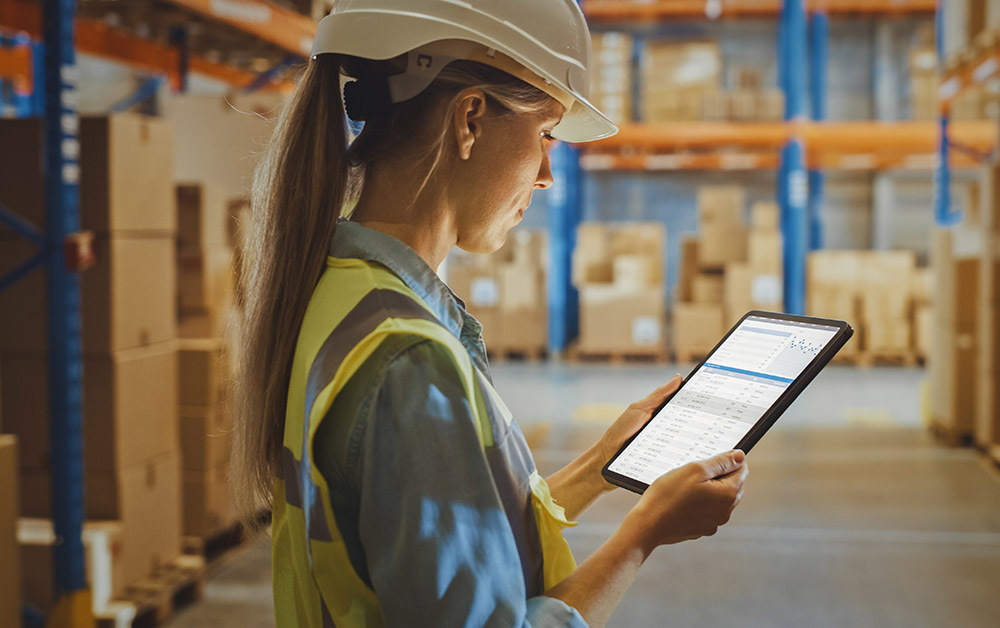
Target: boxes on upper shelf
x,y
126,173
611,75
676,77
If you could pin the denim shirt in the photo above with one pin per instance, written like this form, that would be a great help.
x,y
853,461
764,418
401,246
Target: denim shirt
x,y
424,512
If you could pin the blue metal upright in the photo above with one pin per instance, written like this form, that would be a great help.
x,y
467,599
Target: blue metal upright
x,y
62,218
793,182
565,200
943,214
819,39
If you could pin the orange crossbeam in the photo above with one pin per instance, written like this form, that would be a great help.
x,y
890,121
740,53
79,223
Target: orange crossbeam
x,y
827,137
615,10
98,39
272,23
16,66
975,71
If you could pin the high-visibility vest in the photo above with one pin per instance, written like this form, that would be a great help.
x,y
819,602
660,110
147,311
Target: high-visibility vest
x,y
355,307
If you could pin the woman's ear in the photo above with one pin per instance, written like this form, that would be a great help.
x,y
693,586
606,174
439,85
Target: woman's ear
x,y
467,121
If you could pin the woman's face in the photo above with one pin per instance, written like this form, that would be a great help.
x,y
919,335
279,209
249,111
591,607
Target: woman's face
x,y
508,161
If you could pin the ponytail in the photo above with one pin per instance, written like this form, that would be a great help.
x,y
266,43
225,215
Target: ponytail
x,y
299,188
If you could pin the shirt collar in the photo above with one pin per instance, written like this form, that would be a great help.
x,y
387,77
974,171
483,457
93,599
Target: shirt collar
x,y
352,240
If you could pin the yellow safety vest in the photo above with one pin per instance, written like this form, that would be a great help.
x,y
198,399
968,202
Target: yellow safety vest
x,y
355,307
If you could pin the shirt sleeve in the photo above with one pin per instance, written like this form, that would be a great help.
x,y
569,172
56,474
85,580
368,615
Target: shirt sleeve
x,y
438,546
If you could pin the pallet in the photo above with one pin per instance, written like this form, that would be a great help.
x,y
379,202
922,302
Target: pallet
x,y
153,600
951,436
515,354
578,354
212,547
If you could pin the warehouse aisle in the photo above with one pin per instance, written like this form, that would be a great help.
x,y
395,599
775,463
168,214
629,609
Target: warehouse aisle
x,y
853,516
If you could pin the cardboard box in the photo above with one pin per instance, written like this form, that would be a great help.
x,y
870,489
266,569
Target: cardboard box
x,y
206,279
738,292
956,390
765,252
127,297
218,137
203,217
771,105
923,330
922,286
206,434
709,288
520,330
887,335
208,502
688,267
205,372
697,328
720,205
126,173
145,498
521,287
987,425
765,216
129,408
212,324
616,320
103,552
635,272
721,244
10,575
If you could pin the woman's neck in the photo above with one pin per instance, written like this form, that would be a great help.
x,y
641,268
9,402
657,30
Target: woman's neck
x,y
410,209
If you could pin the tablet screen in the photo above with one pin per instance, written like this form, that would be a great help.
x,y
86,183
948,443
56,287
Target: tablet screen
x,y
724,398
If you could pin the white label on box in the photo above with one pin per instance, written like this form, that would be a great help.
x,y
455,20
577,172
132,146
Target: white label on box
x,y
766,289
484,292
645,330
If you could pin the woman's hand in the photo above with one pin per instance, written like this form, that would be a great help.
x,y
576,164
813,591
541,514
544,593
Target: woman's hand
x,y
689,502
629,423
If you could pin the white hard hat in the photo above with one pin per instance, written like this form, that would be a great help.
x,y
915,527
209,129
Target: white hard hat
x,y
546,43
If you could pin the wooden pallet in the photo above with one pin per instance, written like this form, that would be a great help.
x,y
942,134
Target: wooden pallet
x,y
579,354
212,547
517,354
153,600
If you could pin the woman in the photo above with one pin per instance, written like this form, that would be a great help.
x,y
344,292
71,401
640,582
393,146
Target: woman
x,y
403,494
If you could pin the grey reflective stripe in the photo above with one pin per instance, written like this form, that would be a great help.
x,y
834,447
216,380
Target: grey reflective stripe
x,y
299,488
373,308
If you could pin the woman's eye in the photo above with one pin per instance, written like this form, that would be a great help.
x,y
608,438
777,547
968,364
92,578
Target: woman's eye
x,y
548,136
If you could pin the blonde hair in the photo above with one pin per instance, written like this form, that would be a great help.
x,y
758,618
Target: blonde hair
x,y
305,178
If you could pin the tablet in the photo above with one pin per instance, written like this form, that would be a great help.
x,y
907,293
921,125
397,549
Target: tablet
x,y
747,381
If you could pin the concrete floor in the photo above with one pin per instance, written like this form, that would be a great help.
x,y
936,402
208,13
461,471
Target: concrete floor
x,y
853,517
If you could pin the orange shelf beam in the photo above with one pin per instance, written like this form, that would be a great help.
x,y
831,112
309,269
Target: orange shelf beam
x,y
271,23
975,70
621,10
98,39
16,65
830,137
762,160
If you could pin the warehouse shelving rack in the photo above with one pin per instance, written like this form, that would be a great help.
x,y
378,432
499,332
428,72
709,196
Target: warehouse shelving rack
x,y
797,144
46,78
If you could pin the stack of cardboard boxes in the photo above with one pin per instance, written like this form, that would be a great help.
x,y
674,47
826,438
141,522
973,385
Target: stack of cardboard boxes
x,y
506,292
727,270
618,270
131,457
875,291
956,261
676,77
682,81
206,279
611,75
987,423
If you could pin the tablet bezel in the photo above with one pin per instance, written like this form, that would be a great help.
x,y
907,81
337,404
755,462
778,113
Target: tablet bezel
x,y
754,434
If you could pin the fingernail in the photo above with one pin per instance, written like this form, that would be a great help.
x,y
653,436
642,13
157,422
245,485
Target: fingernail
x,y
738,456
